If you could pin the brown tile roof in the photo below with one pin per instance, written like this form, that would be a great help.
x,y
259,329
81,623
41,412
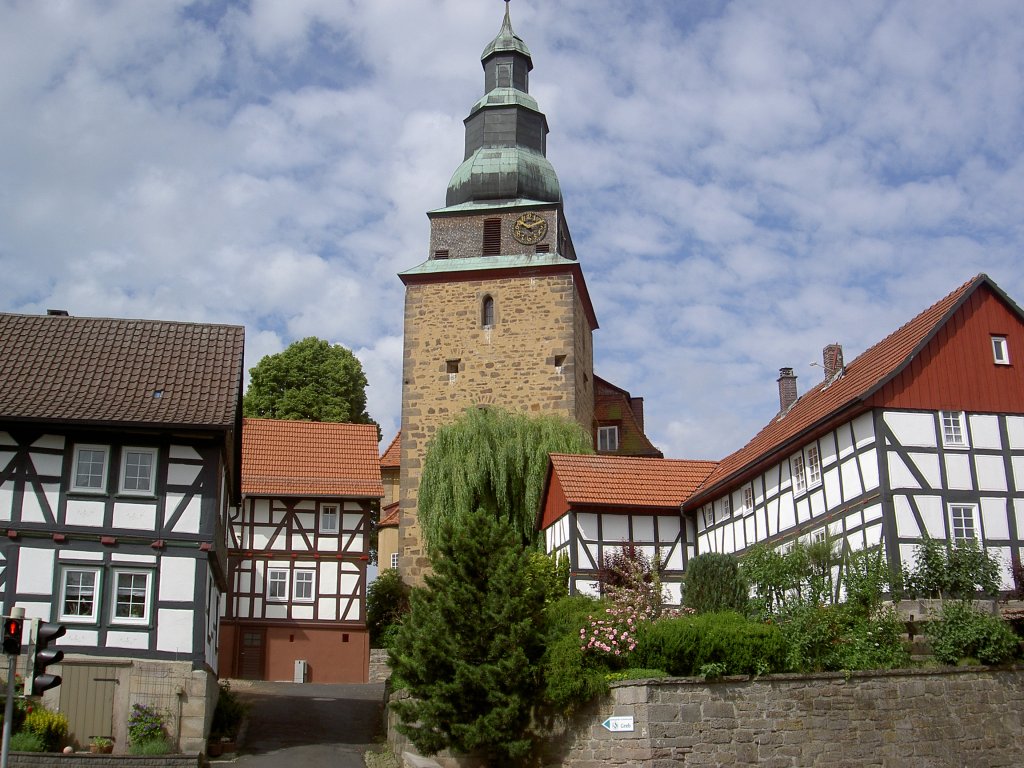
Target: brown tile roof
x,y
93,370
628,480
612,403
391,458
310,458
844,395
389,516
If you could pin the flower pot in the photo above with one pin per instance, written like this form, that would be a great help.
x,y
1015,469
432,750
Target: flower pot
x,y
214,748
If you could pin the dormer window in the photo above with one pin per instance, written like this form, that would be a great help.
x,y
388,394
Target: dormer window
x,y
608,438
1000,351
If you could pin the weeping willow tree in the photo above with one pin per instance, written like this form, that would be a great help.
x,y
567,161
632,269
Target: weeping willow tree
x,y
494,460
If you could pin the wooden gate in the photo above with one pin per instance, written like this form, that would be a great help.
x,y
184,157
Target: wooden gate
x,y
250,653
87,699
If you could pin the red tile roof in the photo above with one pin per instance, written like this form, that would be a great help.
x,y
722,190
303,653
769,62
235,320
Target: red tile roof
x,y
106,371
310,458
627,480
391,458
842,397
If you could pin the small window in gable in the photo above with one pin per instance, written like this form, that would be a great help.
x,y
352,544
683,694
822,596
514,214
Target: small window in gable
x,y
329,518
608,438
799,478
1000,352
90,470
953,433
961,517
487,312
138,471
492,237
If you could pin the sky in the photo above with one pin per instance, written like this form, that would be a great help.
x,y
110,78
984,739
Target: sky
x,y
745,182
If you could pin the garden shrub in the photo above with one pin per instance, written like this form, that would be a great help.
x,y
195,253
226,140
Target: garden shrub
x,y
228,714
713,583
835,637
571,677
50,727
155,746
944,570
145,723
682,646
26,741
963,632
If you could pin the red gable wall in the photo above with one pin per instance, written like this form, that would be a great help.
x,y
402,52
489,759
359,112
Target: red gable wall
x,y
555,502
955,370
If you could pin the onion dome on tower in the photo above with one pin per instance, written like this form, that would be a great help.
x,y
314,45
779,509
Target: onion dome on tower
x,y
506,133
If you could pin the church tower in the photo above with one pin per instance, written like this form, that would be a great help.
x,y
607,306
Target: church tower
x,y
498,314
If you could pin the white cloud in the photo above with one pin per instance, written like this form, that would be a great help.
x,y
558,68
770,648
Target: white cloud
x,y
744,182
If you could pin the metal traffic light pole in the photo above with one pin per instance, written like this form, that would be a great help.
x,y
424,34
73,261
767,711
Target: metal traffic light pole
x,y
12,665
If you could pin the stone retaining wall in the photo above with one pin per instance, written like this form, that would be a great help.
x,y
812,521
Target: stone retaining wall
x,y
379,669
935,717
938,717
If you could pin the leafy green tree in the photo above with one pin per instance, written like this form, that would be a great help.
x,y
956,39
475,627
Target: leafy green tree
x,y
495,460
469,650
387,603
960,570
311,380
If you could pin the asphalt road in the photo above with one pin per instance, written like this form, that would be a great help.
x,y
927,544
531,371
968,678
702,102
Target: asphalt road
x,y
310,725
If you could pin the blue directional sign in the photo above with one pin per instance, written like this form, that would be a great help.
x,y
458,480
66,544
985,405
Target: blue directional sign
x,y
619,723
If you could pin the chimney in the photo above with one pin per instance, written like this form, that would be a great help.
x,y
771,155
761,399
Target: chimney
x,y
787,389
832,358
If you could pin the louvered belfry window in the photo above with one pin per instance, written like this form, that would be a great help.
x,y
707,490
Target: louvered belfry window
x,y
492,237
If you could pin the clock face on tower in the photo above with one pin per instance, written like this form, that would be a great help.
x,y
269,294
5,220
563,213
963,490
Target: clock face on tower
x,y
530,228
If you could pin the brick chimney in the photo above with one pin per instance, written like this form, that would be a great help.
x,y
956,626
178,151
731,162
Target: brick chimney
x,y
636,405
787,389
832,359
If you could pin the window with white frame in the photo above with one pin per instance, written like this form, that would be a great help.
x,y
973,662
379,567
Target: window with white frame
x,y
138,471
953,433
89,472
748,499
1000,352
303,591
329,518
78,594
131,596
726,507
608,438
277,584
961,518
813,466
799,478
394,560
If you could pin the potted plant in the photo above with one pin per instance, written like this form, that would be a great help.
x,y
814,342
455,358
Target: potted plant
x,y
101,745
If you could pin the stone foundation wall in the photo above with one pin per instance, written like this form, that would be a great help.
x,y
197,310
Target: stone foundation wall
x,y
36,760
936,718
940,718
379,669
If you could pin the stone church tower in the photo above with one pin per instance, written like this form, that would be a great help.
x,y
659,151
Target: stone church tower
x,y
499,313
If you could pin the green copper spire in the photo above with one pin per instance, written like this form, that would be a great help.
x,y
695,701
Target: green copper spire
x,y
506,133
507,40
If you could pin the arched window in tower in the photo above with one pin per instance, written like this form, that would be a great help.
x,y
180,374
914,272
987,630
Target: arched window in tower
x,y
487,312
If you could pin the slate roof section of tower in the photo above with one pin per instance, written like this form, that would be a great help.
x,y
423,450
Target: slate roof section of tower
x,y
113,372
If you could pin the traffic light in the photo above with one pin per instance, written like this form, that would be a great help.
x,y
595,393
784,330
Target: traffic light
x,y
38,679
12,635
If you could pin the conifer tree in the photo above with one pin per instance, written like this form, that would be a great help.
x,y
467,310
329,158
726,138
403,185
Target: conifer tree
x,y
469,650
496,460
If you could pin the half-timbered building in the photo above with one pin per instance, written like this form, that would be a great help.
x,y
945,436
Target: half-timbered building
x,y
119,458
921,435
298,552
595,505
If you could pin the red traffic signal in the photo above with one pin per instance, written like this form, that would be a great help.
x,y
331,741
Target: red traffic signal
x,y
12,635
